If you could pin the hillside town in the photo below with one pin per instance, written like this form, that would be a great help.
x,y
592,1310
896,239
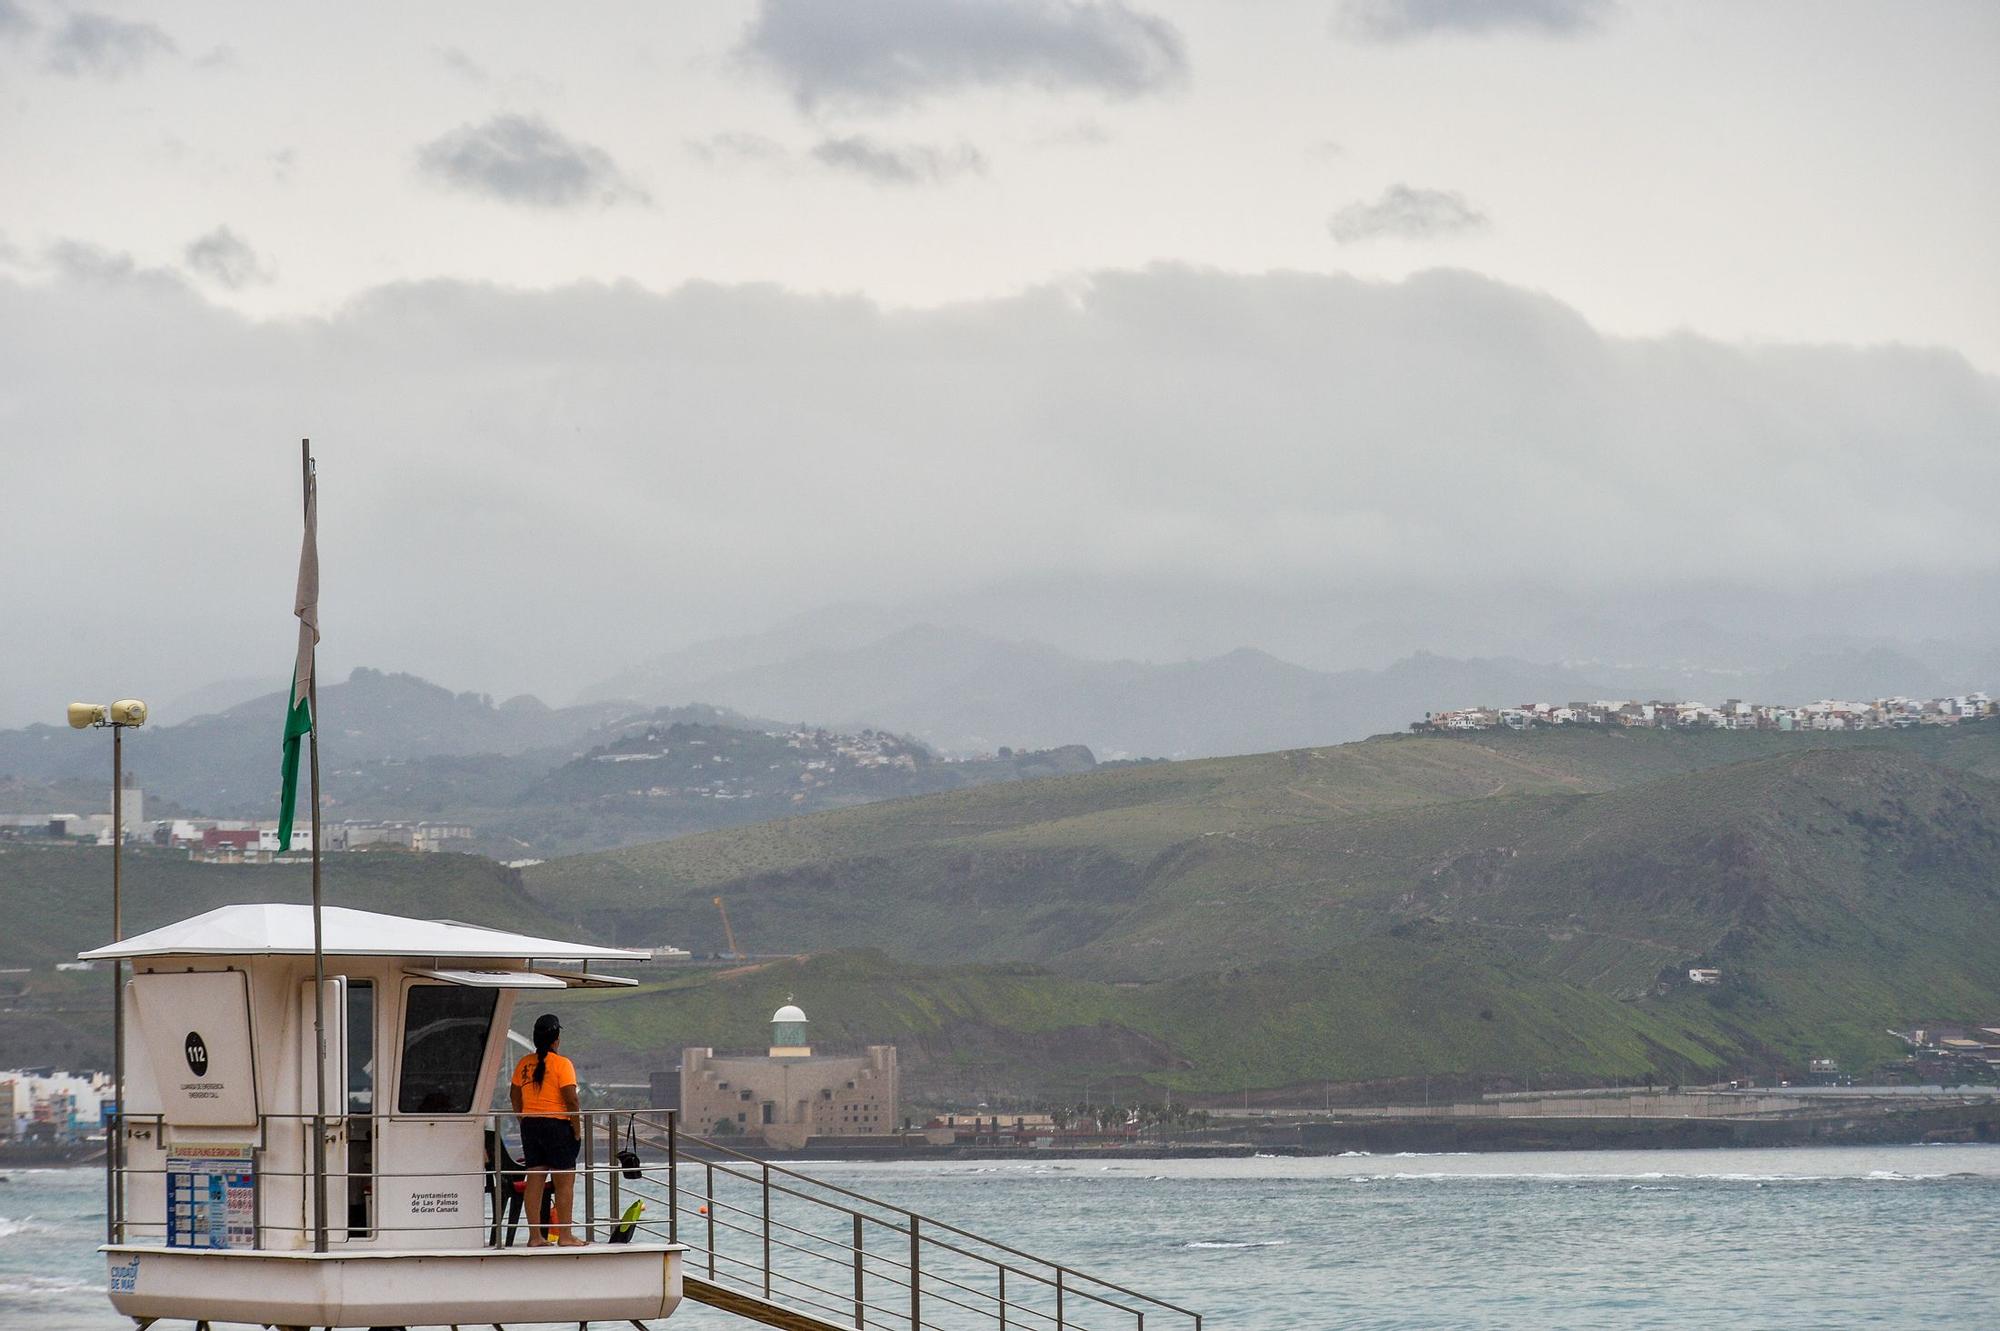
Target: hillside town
x,y
228,840
781,770
724,763
246,841
1897,713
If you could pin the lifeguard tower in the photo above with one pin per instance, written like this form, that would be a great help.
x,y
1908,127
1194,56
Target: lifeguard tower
x,y
214,1210
213,1214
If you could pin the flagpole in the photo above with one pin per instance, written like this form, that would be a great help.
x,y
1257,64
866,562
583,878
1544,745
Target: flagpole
x,y
115,1128
319,951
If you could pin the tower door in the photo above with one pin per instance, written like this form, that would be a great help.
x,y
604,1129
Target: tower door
x,y
338,1127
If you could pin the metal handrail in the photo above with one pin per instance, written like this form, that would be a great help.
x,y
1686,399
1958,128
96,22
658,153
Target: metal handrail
x,y
1018,1310
796,1280
900,1284
931,1222
878,1258
873,1308
1062,1281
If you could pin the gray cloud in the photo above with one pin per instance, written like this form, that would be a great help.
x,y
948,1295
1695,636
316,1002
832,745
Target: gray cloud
x,y
104,47
500,467
861,155
1402,20
1082,134
522,159
80,261
731,148
15,22
885,53
225,258
461,64
898,163
1406,213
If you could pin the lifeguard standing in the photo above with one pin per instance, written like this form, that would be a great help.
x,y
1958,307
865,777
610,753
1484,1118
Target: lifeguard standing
x,y
545,1096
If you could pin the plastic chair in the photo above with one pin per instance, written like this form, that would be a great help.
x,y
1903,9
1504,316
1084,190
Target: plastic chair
x,y
507,1178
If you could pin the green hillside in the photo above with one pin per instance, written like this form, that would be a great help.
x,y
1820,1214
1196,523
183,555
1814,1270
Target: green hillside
x,y
1044,867
1333,914
1456,1008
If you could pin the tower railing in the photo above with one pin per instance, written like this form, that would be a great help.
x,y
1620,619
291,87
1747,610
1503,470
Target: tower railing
x,y
766,1241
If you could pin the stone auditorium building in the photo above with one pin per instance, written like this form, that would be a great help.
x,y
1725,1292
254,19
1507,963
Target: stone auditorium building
x,y
789,1095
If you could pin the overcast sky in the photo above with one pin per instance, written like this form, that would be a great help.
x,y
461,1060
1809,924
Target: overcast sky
x,y
622,332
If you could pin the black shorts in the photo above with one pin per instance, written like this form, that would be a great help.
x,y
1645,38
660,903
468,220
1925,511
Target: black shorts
x,y
548,1143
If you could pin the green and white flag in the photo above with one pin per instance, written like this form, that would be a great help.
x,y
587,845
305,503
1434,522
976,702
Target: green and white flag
x,y
298,716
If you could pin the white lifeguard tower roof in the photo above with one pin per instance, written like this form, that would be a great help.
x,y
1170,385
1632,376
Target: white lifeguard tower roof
x,y
273,929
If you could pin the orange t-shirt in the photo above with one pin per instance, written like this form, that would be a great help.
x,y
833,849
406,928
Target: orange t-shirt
x,y
546,1100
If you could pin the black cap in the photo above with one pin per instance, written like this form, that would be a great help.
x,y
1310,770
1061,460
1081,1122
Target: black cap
x,y
547,1027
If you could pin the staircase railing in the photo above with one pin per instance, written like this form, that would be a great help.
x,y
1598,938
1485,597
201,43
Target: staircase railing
x,y
765,1232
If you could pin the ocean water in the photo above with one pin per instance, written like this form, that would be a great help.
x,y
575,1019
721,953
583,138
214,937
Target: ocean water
x,y
1852,1237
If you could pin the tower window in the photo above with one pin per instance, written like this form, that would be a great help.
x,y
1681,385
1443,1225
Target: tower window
x,y
444,1040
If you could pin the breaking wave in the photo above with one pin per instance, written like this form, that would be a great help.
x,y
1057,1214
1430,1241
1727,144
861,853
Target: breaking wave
x,y
45,1285
27,1224
1251,1243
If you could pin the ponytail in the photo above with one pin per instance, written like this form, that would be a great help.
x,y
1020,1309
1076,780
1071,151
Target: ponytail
x,y
547,1031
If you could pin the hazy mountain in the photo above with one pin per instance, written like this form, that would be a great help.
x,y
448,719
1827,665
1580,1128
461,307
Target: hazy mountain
x,y
965,691
1946,622
227,762
678,674
394,745
1873,673
1848,673
219,696
530,779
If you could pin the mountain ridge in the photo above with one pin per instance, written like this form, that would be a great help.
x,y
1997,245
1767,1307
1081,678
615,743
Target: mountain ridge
x,y
962,690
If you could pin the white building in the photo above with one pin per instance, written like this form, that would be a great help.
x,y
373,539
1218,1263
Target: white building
x,y
61,1105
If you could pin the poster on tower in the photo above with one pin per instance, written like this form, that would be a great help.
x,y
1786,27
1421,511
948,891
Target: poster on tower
x,y
212,1197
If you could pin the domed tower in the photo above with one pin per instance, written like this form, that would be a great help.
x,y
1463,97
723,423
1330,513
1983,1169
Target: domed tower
x,y
788,1033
